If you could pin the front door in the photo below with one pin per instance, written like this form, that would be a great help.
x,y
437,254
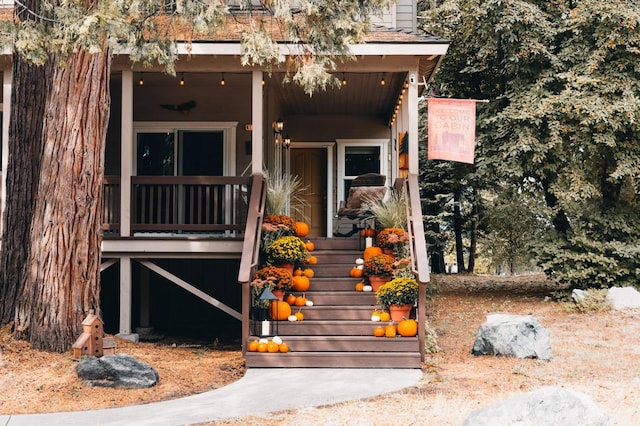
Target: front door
x,y
310,165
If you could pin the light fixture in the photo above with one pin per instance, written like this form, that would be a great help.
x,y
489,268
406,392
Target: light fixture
x,y
286,142
141,81
278,126
344,80
222,83
382,82
182,79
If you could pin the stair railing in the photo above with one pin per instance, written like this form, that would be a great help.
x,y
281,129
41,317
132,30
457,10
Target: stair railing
x,y
251,249
418,249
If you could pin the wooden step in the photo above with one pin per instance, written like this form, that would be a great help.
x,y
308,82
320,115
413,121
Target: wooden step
x,y
334,360
332,270
333,284
323,328
341,298
337,257
350,313
352,243
351,344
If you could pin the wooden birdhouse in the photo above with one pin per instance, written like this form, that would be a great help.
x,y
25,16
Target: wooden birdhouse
x,y
92,342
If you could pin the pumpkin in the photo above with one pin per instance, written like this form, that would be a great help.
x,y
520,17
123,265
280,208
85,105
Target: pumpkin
x,y
301,301
253,346
299,316
384,316
292,318
262,347
408,328
308,272
272,347
367,232
277,339
301,229
390,330
369,252
300,283
312,260
297,272
279,311
378,331
309,245
291,299
283,348
359,286
355,272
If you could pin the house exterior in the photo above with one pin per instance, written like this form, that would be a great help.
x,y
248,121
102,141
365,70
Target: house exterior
x,y
186,153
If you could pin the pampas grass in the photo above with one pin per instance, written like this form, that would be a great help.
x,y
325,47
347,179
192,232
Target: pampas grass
x,y
285,194
390,212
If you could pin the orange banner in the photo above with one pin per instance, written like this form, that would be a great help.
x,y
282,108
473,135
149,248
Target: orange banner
x,y
452,129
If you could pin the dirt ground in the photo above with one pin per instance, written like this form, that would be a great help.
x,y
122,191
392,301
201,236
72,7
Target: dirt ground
x,y
596,354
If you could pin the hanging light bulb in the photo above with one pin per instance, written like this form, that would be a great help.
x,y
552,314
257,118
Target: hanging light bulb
x,y
344,80
222,83
182,80
141,81
382,82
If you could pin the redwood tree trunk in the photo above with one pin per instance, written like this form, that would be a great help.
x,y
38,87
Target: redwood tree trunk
x,y
63,281
29,91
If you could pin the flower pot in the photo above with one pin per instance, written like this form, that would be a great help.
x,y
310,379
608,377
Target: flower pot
x,y
399,312
287,266
279,293
376,281
389,252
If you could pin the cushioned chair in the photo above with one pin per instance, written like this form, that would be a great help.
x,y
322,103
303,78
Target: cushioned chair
x,y
370,186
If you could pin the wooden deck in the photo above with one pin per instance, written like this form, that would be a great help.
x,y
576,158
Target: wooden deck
x,y
337,330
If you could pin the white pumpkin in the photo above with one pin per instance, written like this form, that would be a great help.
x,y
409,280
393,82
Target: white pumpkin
x,y
309,303
263,341
367,288
359,261
277,339
292,318
375,317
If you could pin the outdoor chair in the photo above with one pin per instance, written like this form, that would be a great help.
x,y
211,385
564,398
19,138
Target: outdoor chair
x,y
370,186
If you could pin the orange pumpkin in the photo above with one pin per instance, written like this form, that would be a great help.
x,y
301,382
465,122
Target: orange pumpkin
x,y
253,346
310,245
390,330
299,316
384,316
279,311
378,331
360,286
369,252
297,272
291,299
312,260
302,229
300,283
301,301
367,232
272,347
283,348
356,272
408,328
262,347
309,273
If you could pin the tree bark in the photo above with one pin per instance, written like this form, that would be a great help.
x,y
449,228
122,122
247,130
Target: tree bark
x,y
29,91
473,237
63,277
457,229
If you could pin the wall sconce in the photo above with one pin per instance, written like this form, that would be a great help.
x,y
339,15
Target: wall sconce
x,y
278,126
286,142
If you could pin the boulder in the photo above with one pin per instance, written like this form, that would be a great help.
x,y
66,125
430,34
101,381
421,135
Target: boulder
x,y
519,336
623,298
549,406
117,371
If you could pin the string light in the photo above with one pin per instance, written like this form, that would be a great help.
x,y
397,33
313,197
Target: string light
x,y
344,80
222,83
141,81
182,80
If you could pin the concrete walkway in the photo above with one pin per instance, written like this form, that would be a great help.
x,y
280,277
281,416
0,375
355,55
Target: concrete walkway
x,y
254,394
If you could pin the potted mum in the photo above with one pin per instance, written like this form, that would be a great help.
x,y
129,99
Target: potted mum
x,y
288,250
278,280
392,239
398,295
276,226
378,269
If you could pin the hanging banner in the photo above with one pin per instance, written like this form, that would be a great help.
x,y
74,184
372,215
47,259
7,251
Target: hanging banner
x,y
452,129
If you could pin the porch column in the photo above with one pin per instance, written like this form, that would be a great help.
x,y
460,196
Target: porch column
x,y
412,123
126,300
126,153
256,122
7,77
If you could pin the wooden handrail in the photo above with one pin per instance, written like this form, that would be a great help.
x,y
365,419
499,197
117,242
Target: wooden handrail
x,y
251,248
418,249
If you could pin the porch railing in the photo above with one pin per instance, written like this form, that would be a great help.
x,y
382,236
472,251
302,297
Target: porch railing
x,y
180,204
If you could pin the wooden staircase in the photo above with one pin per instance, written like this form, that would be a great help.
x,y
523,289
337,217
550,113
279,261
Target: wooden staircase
x,y
337,330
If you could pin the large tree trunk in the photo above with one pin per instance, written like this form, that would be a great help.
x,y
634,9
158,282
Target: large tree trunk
x,y
29,91
63,281
457,229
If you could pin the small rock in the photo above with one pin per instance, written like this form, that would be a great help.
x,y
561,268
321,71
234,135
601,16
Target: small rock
x,y
520,336
117,371
549,406
623,298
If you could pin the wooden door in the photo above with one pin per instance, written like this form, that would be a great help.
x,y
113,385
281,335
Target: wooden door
x,y
310,164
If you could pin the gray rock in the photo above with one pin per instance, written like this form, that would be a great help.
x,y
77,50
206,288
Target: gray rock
x,y
577,295
623,298
519,336
117,371
549,406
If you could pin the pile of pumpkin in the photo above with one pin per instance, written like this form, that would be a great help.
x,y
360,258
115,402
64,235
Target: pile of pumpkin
x,y
265,345
405,328
357,271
